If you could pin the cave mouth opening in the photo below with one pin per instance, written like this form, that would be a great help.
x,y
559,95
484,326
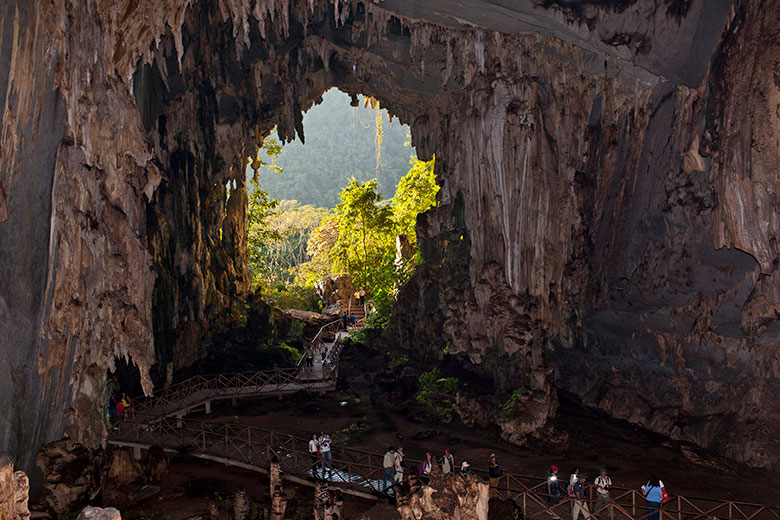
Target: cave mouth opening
x,y
335,216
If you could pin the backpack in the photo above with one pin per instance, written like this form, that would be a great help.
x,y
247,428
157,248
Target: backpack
x,y
571,490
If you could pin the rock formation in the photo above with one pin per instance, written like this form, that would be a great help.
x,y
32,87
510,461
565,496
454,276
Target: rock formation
x,y
14,491
607,218
99,513
445,497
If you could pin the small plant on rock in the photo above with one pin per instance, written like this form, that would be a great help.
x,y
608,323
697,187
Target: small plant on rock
x,y
509,405
437,393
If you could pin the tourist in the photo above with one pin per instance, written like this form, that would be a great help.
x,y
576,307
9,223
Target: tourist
x,y
603,483
112,407
572,480
125,404
327,458
553,487
580,505
465,468
344,320
653,496
388,465
120,407
447,462
352,320
314,453
424,468
494,473
398,464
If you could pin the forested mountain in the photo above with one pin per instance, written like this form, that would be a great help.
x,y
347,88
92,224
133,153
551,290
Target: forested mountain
x,y
340,143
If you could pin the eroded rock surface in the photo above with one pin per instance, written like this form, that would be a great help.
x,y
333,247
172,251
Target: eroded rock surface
x,y
445,497
607,219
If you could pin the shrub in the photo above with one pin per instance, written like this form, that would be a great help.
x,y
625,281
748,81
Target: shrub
x,y
436,393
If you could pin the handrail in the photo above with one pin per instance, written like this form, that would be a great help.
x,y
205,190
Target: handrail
x,y
254,445
203,388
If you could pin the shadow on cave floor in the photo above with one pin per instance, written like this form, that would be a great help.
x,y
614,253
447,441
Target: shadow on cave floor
x,y
630,453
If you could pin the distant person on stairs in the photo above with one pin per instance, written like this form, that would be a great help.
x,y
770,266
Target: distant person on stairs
x,y
344,320
327,458
352,319
388,466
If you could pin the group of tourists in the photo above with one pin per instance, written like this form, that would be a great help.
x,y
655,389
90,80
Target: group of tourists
x,y
118,406
394,471
654,492
319,450
348,320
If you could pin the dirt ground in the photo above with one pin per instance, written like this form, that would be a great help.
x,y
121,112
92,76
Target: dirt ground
x,y
630,454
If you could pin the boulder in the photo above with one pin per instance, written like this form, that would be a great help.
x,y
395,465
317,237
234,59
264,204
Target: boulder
x,y
71,474
334,289
446,497
99,513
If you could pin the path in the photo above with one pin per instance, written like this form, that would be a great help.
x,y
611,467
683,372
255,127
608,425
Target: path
x,y
160,421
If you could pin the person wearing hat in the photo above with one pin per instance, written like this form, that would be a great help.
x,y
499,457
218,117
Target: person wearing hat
x,y
580,505
603,483
424,468
447,462
494,473
465,468
553,487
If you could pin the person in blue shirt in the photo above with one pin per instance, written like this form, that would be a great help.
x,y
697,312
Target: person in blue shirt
x,y
653,494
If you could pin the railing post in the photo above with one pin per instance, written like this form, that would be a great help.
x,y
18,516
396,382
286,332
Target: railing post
x,y
679,508
633,504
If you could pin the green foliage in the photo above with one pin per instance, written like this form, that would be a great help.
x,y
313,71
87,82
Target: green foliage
x,y
436,393
292,296
296,329
364,247
295,354
509,405
400,361
342,141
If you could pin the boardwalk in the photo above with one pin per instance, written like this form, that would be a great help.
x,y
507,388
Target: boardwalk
x,y
161,421
200,391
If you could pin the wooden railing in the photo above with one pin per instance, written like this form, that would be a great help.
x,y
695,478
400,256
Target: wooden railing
x,y
192,392
530,493
363,470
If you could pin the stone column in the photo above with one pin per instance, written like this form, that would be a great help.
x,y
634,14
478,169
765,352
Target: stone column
x,y
7,488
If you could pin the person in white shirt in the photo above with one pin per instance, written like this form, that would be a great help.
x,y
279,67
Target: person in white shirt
x,y
603,483
388,467
314,453
447,462
327,458
398,464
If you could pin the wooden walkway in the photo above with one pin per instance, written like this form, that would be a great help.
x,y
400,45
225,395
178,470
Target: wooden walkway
x,y
160,421
200,391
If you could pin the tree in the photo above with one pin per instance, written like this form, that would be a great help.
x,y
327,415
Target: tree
x,y
365,244
416,193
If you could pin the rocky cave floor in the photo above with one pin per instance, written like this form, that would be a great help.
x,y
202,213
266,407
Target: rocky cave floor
x,y
630,453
